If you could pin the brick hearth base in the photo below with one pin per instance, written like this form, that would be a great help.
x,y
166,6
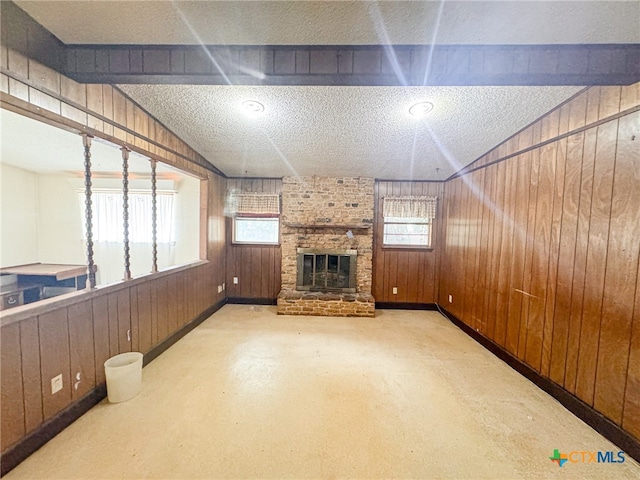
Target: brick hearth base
x,y
293,302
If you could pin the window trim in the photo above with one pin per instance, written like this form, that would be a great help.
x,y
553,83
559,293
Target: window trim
x,y
234,241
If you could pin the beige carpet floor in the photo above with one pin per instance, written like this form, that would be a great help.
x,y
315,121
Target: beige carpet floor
x,y
250,394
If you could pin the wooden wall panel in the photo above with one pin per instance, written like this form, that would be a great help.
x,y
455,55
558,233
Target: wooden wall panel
x,y
631,411
562,231
179,300
142,296
540,266
31,377
596,261
135,320
12,393
580,262
153,299
100,307
621,273
124,321
54,355
112,312
554,247
257,267
81,349
566,256
172,303
413,271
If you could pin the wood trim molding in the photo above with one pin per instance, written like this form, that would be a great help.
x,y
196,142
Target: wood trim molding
x,y
405,306
19,452
584,412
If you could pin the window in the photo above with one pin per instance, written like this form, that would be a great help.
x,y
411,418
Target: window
x,y
408,221
407,231
256,218
255,230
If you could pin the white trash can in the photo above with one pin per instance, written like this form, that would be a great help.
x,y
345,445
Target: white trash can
x,y
124,376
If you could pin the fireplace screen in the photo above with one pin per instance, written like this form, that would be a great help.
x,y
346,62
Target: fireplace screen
x,y
327,270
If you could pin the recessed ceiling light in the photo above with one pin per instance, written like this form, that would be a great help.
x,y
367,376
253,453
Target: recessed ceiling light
x,y
420,109
252,107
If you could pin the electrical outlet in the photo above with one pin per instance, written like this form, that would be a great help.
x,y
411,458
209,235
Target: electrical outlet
x,y
395,290
235,280
219,288
56,384
224,286
450,298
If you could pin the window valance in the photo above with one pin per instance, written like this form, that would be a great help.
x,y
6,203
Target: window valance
x,y
409,207
267,204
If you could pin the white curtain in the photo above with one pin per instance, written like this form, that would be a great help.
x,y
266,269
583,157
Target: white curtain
x,y
108,233
108,221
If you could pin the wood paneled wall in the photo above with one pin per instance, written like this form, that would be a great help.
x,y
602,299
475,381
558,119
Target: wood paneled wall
x,y
74,336
257,267
76,339
542,249
412,271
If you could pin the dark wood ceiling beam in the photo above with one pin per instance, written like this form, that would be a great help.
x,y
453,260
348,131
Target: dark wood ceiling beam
x,y
410,65
357,65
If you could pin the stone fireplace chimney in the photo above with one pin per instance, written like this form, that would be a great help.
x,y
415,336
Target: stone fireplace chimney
x,y
327,214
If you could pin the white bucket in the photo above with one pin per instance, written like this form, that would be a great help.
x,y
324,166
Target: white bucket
x,y
124,376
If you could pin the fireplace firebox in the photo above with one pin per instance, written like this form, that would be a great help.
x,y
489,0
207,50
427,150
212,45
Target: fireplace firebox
x,y
326,270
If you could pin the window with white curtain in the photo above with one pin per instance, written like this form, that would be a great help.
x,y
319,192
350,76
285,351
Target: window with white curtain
x,y
256,217
108,220
408,221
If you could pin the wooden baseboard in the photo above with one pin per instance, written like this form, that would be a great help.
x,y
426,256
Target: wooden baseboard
x,y
605,427
35,439
252,301
406,306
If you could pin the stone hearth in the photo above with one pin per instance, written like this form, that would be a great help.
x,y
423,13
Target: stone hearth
x,y
293,302
328,213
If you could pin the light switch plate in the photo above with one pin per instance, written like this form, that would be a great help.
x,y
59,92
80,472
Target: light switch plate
x,y
395,290
235,280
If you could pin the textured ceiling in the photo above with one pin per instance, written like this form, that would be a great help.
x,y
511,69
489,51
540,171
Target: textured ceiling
x,y
342,130
338,22
359,131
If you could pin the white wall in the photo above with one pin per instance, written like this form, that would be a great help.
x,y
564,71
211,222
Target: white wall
x,y
187,208
59,221
18,216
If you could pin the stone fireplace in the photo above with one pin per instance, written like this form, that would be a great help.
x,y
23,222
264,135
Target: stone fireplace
x,y
327,246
